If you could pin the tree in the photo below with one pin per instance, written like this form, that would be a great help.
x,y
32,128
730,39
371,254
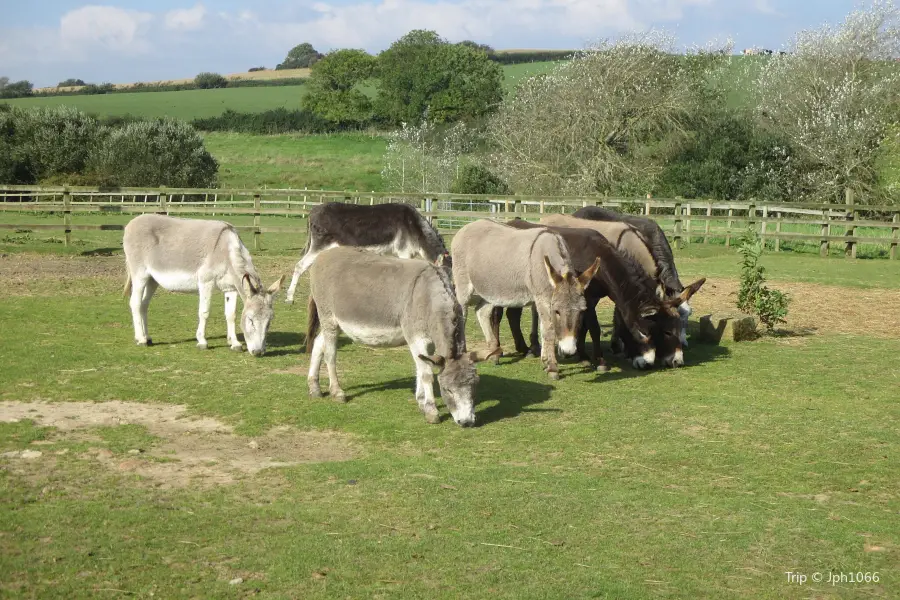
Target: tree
x,y
72,82
19,89
333,94
423,71
604,121
3,82
302,56
208,81
476,46
836,97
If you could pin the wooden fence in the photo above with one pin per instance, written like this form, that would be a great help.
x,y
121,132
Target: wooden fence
x,y
684,221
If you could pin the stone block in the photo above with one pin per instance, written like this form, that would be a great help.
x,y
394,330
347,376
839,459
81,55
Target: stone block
x,y
716,327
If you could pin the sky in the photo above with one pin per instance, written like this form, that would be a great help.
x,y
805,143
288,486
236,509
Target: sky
x,y
46,41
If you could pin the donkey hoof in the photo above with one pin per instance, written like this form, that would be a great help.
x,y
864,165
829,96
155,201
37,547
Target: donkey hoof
x,y
586,363
288,300
554,375
339,396
432,417
602,368
495,359
149,342
238,348
202,345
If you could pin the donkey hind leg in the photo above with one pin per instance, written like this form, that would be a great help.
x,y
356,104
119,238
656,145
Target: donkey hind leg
x,y
424,384
514,316
484,311
206,291
330,355
300,268
548,341
315,365
230,311
142,290
535,349
592,325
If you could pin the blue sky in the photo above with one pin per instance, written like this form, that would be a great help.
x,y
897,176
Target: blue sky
x,y
46,41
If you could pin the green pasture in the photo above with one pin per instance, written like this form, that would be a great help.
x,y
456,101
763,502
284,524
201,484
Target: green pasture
x,y
338,161
710,481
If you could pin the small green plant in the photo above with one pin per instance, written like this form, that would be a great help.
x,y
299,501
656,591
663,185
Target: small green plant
x,y
754,296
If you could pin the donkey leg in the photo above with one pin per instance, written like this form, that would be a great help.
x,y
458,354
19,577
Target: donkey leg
x,y
548,341
315,365
483,312
137,313
534,338
230,311
514,316
334,387
592,326
206,290
299,269
425,386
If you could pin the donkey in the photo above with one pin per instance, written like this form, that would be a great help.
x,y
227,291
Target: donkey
x,y
629,287
196,256
392,228
659,249
384,301
497,265
629,239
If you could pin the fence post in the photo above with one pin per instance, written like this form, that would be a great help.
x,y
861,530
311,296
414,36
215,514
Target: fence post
x,y
542,207
765,217
688,224
706,227
823,246
256,232
778,232
894,229
163,203
647,206
677,233
850,248
728,228
67,214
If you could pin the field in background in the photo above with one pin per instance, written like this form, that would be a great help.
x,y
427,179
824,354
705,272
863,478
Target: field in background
x,y
266,75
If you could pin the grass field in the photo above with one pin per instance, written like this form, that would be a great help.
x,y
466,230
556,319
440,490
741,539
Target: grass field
x,y
711,481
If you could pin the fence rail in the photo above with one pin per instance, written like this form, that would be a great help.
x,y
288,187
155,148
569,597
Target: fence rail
x,y
684,221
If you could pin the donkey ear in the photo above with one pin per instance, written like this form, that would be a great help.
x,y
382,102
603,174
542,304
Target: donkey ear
x,y
275,287
585,278
437,363
249,288
692,289
555,277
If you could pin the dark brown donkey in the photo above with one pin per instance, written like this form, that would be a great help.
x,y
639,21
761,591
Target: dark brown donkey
x,y
653,322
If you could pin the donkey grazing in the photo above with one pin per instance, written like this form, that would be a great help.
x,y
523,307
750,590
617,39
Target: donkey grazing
x,y
629,239
187,255
659,249
392,228
629,287
383,301
497,265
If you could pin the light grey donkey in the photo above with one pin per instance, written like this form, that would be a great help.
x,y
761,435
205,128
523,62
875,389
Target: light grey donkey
x,y
498,265
384,301
196,256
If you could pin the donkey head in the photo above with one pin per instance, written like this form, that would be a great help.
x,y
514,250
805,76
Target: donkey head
x,y
667,330
258,313
684,309
458,380
567,303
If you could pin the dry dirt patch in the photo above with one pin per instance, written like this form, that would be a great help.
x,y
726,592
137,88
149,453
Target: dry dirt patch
x,y
193,450
37,274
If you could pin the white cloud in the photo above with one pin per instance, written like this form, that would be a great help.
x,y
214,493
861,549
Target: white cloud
x,y
765,7
107,27
185,19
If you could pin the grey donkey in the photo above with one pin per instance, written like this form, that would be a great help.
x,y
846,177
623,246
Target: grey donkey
x,y
497,265
385,301
196,256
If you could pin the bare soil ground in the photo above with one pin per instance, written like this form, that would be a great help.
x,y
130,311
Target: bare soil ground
x,y
192,450
815,308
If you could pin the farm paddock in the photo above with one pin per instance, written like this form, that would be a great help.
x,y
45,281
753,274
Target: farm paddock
x,y
210,473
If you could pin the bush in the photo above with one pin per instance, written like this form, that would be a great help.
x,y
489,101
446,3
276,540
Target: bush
x,y
255,69
476,179
754,296
59,140
152,153
515,58
15,164
19,89
71,83
103,88
208,81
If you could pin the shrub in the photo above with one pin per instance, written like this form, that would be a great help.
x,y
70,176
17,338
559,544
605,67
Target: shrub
x,y
754,296
208,81
476,179
255,69
15,164
19,89
59,140
152,153
279,120
71,82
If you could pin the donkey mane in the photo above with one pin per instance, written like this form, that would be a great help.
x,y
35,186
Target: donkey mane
x,y
433,239
459,329
621,271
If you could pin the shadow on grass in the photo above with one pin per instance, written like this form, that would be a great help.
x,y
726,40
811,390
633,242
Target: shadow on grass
x,y
102,252
284,340
513,396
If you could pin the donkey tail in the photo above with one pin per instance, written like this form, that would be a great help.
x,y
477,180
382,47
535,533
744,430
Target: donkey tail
x,y
126,291
312,324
